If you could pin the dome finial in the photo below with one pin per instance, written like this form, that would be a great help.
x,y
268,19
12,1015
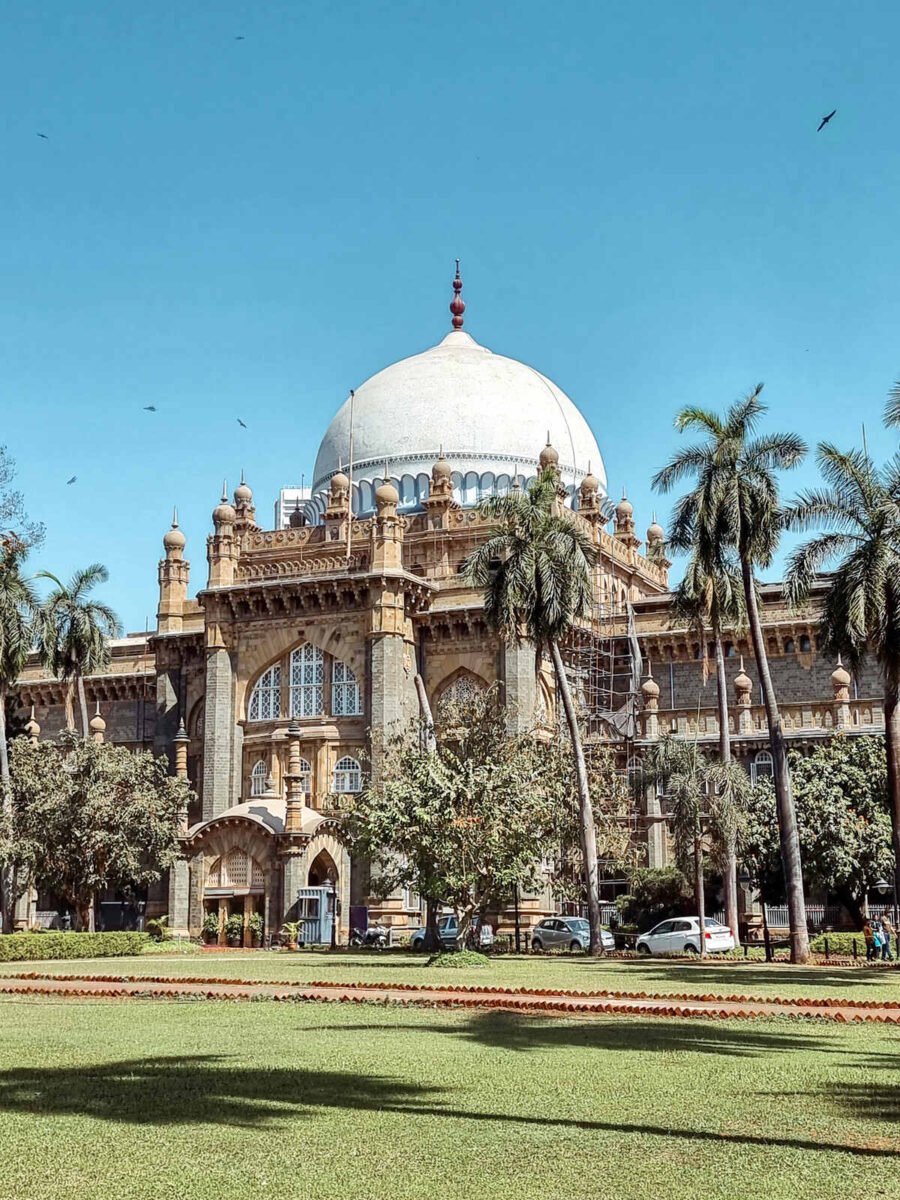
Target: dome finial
x,y
457,304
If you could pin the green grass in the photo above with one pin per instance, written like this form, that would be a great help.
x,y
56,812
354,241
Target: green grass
x,y
563,971
210,1100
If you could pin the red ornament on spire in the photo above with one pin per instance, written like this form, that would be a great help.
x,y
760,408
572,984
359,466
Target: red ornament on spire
x,y
457,304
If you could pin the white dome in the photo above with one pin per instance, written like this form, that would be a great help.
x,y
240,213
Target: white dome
x,y
487,412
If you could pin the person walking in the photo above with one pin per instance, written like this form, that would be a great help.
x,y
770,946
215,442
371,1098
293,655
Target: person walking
x,y
869,936
887,933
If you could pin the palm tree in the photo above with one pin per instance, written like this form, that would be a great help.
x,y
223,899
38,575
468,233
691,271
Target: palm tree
x,y
681,769
73,632
735,504
860,509
18,605
710,598
892,408
535,572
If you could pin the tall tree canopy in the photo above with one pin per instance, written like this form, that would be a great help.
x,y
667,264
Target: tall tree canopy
x,y
733,504
16,527
88,816
464,822
842,815
73,633
859,508
535,572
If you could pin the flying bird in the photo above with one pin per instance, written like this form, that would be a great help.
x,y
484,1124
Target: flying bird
x,y
149,408
44,136
239,38
241,423
825,120
72,480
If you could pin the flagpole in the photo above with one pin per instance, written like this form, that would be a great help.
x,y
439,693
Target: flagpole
x,y
350,477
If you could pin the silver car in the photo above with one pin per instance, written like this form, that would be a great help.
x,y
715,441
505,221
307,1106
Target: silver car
x,y
567,933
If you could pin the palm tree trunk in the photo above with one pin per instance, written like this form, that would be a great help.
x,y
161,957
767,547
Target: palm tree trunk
x,y
70,705
892,747
82,701
586,812
729,881
6,881
699,891
784,800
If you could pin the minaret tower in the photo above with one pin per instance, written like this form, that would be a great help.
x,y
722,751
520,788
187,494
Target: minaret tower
x,y
174,574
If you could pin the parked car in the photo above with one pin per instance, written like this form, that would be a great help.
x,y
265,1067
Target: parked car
x,y
567,933
682,936
448,927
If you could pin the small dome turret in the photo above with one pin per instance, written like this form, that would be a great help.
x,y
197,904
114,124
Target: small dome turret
x,y
223,513
441,469
174,539
549,456
386,495
243,494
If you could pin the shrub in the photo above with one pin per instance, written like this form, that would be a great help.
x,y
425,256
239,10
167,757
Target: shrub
x,y
23,947
656,894
840,944
158,928
234,928
459,958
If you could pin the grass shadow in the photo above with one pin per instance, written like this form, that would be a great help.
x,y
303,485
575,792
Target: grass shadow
x,y
206,1089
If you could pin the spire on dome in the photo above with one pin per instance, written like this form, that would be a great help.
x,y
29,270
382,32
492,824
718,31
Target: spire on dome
x,y
457,304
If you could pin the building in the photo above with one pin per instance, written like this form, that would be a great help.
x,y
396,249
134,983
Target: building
x,y
276,687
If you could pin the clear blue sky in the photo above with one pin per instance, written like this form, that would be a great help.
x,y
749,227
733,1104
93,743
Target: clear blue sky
x,y
226,228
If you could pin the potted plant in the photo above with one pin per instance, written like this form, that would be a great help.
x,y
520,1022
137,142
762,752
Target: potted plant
x,y
210,928
255,925
234,929
291,930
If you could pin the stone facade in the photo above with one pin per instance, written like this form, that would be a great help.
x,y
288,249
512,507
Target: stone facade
x,y
276,689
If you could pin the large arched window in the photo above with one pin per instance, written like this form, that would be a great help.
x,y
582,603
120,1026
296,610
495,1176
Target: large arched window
x,y
265,700
463,690
258,778
305,776
762,767
347,775
345,699
307,677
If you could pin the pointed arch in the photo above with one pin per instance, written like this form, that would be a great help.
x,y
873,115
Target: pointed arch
x,y
306,677
258,777
265,698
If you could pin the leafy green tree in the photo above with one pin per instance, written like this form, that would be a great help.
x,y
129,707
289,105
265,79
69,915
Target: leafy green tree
x,y
860,509
734,501
18,605
16,528
655,894
681,768
535,572
612,805
842,816
73,634
462,823
710,598
88,816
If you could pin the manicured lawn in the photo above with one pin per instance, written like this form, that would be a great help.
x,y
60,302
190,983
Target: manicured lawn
x,y
216,1101
564,971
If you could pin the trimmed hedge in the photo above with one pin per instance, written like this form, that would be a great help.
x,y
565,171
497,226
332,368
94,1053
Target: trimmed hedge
x,y
839,943
24,947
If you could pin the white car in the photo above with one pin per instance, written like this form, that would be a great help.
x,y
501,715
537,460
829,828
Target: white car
x,y
682,936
